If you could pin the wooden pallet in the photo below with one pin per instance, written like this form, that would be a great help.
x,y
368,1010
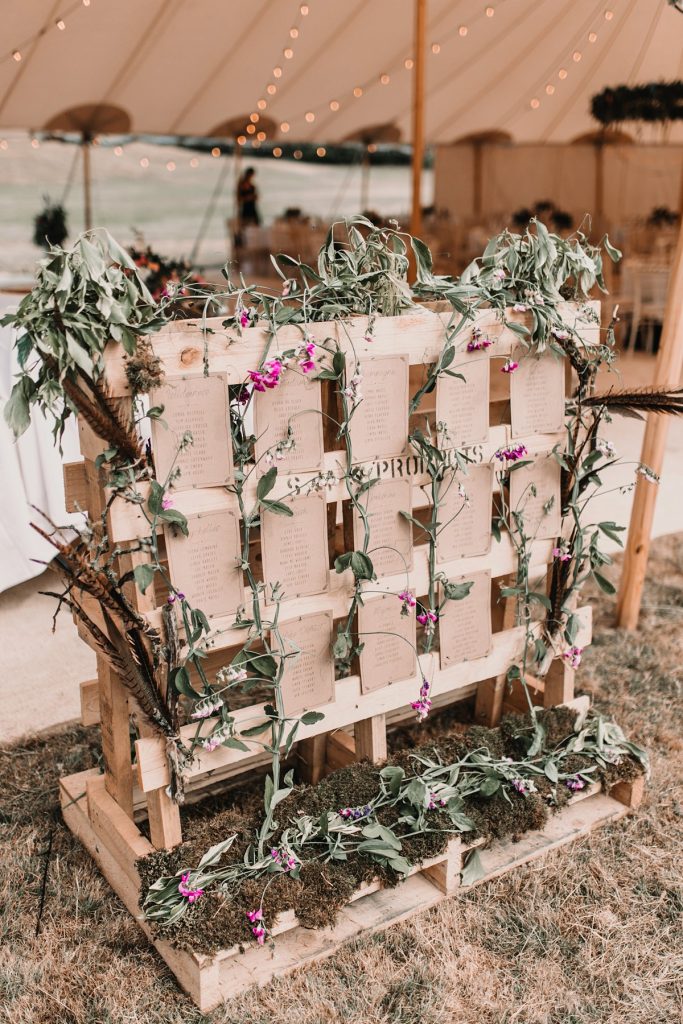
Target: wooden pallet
x,y
116,843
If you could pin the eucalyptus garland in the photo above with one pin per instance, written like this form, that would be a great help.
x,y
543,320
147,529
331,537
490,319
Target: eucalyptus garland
x,y
654,102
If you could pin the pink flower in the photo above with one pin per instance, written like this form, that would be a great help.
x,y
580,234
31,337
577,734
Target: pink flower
x,y
255,915
269,377
166,502
211,744
511,453
573,656
478,341
243,318
559,334
562,554
509,366
191,895
575,783
259,934
423,704
499,274
519,307
407,601
427,616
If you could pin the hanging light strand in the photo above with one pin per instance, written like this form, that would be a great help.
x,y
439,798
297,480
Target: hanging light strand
x,y
59,23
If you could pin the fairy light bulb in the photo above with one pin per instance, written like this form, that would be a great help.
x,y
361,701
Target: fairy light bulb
x,y
118,150
4,144
409,63
310,116
86,3
277,152
61,24
241,140
294,33
277,72
358,92
334,105
576,56
261,136
271,89
284,127
321,151
35,144
215,152
251,129
372,148
550,89
490,11
170,166
194,162
562,73
262,104
609,15
288,53
254,118
16,55
303,10
297,154
436,48
384,79
144,162
535,103
592,37
463,30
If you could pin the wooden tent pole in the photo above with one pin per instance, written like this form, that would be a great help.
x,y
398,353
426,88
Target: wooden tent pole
x,y
87,182
418,114
478,175
667,374
365,180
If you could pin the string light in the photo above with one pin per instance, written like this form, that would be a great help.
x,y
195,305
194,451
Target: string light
x,y
271,89
288,53
576,56
409,64
61,24
372,148
562,73
118,150
16,55
294,33
297,154
592,36
86,3
490,11
609,15
35,143
277,72
194,162
334,105
384,79
436,48
254,118
310,116
358,92
215,152
277,152
262,104
303,10
170,166
463,30
144,162
284,127
241,140
550,89
321,151
251,129
535,103
261,136
4,144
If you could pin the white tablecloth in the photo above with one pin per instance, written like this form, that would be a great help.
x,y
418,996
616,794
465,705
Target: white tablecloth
x,y
30,474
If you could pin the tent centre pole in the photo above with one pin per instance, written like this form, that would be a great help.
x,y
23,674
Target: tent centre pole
x,y
418,114
87,181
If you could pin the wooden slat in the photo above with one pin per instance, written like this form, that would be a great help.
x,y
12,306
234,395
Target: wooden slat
x,y
370,735
163,813
76,490
90,702
115,726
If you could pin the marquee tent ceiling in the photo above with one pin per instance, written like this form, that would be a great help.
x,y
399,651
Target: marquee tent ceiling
x,y
188,67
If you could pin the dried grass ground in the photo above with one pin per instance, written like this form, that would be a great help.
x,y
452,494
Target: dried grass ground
x,y
594,933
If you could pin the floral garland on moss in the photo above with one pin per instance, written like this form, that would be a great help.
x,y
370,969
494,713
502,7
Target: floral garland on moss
x,y
364,275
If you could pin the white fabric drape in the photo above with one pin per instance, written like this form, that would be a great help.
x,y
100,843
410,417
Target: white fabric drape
x,y
30,474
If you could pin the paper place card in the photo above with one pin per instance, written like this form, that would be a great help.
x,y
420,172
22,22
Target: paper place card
x,y
198,405
388,639
535,493
308,679
294,404
465,510
465,626
204,565
379,425
537,394
463,406
294,548
391,535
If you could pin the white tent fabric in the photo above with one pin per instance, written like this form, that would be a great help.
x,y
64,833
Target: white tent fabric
x,y
188,66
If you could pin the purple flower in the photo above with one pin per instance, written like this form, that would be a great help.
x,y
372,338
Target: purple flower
x,y
574,783
166,502
479,341
243,318
573,656
259,934
562,554
191,895
255,915
511,453
422,706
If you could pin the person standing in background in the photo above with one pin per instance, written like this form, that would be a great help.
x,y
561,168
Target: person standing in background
x,y
247,198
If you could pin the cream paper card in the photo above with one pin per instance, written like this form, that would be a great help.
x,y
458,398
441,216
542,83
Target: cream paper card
x,y
205,565
465,510
465,626
388,639
294,548
379,425
295,403
198,405
308,678
391,535
463,406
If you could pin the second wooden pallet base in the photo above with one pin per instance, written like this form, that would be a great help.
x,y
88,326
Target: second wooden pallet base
x,y
115,843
